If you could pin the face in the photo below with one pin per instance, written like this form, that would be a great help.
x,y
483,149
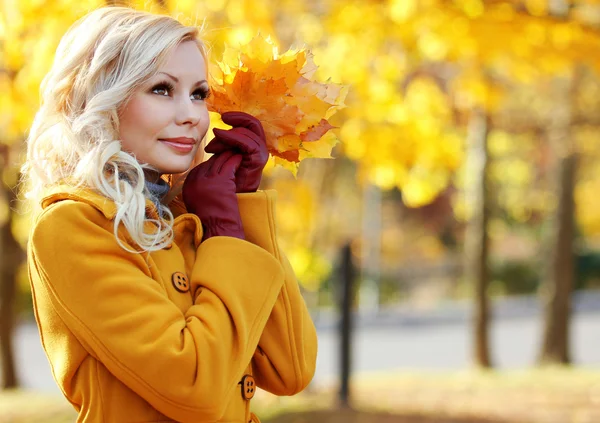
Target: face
x,y
164,122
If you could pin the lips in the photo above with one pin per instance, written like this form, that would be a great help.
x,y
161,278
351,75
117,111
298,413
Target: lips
x,y
181,145
180,140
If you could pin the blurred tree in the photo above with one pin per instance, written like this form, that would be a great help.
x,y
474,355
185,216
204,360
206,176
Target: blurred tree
x,y
11,256
476,248
559,263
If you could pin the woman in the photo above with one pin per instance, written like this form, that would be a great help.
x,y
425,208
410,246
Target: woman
x,y
154,306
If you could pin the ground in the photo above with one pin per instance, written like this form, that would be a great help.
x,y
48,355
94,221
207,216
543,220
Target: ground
x,y
351,416
557,395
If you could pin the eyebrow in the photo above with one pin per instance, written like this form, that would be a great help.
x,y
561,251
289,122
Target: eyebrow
x,y
177,79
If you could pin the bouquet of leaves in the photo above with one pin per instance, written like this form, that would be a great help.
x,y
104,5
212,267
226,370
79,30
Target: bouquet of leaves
x,y
281,92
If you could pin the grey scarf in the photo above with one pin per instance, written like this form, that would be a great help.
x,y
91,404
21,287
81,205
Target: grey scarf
x,y
157,192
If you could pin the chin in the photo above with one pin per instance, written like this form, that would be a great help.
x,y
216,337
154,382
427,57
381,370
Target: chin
x,y
179,165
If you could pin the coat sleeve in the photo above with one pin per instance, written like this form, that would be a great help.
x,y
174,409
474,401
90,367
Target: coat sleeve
x,y
284,362
186,366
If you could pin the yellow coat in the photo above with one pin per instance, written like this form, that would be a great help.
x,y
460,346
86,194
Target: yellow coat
x,y
126,340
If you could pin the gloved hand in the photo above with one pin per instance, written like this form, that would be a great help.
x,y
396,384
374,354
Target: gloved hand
x,y
209,193
248,138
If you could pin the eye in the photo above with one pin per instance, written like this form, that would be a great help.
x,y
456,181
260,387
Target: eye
x,y
201,93
163,88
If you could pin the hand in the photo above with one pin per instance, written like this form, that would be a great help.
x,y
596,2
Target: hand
x,y
209,193
248,138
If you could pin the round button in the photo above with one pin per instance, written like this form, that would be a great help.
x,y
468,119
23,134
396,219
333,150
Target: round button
x,y
248,387
180,282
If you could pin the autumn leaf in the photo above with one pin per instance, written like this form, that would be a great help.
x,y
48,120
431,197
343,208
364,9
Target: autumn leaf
x,y
281,92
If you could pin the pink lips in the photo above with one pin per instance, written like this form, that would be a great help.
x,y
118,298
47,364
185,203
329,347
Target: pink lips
x,y
181,144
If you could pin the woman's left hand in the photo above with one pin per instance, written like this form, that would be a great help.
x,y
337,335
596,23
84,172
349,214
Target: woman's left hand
x,y
248,137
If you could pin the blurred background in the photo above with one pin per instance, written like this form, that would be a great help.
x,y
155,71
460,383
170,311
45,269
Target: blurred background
x,y
449,253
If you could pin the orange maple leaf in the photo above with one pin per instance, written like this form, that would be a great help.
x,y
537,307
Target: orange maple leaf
x,y
279,90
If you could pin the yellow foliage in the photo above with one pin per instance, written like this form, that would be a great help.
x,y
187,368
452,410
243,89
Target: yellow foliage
x,y
415,67
472,8
515,171
423,185
311,268
537,7
296,217
588,217
500,143
472,90
31,31
402,10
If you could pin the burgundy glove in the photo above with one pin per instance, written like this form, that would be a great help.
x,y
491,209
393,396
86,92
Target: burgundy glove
x,y
209,193
248,138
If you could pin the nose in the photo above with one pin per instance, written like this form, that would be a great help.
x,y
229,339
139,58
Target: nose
x,y
189,112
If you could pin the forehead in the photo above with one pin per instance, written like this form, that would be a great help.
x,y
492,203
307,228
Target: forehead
x,y
185,60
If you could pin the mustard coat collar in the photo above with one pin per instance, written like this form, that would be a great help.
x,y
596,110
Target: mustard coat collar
x,y
87,195
184,222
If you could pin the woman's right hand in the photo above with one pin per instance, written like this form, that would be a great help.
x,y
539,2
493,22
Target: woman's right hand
x,y
246,136
209,192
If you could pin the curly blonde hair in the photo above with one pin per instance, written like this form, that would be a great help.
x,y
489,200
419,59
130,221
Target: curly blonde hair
x,y
99,63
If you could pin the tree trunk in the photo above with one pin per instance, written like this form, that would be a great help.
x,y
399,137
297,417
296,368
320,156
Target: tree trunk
x,y
347,276
10,258
476,237
559,271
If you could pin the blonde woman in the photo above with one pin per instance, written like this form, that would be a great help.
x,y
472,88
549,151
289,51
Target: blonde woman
x,y
154,306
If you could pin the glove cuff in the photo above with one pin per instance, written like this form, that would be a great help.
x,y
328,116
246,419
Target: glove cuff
x,y
217,227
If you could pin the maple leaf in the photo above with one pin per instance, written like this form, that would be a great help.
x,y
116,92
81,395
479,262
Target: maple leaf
x,y
280,91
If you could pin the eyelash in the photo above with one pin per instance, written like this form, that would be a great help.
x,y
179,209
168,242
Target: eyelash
x,y
169,87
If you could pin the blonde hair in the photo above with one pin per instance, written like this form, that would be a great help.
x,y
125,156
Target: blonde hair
x,y
99,63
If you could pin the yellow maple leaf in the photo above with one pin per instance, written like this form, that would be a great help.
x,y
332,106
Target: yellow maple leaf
x,y
281,92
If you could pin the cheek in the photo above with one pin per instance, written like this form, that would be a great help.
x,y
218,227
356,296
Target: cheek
x,y
140,121
200,154
204,122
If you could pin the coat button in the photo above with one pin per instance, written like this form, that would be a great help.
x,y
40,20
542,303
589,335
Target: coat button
x,y
180,282
248,387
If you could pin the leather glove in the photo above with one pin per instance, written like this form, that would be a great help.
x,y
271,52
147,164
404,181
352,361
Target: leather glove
x,y
209,193
248,138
